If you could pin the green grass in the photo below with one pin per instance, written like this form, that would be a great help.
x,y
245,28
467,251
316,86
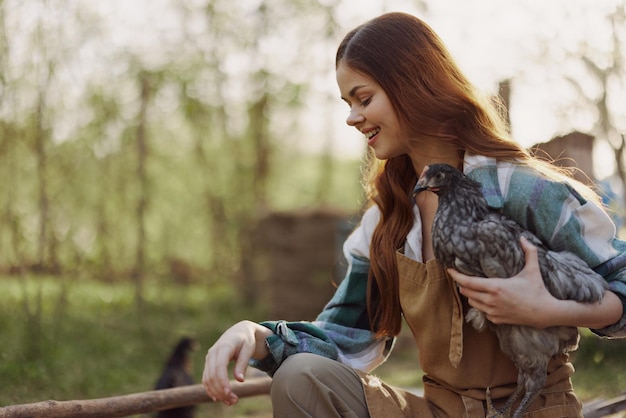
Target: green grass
x,y
89,340
600,367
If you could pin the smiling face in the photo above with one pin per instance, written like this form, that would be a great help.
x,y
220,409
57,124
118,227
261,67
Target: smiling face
x,y
371,112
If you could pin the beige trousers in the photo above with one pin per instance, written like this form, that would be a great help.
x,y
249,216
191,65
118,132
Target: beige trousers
x,y
308,385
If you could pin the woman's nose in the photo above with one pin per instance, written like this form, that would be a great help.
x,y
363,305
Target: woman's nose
x,y
354,117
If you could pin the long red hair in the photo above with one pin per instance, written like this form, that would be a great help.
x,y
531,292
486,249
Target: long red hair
x,y
429,95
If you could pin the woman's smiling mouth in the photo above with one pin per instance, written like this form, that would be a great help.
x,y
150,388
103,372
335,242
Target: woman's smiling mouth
x,y
371,135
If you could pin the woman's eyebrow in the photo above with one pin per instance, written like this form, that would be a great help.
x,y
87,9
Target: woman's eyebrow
x,y
353,91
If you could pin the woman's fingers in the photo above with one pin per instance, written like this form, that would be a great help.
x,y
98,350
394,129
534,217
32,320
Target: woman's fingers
x,y
237,343
241,364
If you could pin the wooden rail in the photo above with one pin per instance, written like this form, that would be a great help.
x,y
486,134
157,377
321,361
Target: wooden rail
x,y
136,403
604,408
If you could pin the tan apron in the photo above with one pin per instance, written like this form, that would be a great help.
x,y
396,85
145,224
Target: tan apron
x,y
459,363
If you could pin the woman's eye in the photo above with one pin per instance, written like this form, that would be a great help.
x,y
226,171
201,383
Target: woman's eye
x,y
366,101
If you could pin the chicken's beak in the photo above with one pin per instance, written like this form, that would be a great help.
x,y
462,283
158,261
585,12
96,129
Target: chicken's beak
x,y
419,187
422,183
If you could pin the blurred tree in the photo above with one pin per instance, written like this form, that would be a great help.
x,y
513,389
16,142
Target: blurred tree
x,y
157,156
609,71
11,242
146,92
46,246
100,149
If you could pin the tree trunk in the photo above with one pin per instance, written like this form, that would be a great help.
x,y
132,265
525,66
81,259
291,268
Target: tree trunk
x,y
142,177
42,160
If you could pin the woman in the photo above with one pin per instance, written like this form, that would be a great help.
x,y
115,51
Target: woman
x,y
415,108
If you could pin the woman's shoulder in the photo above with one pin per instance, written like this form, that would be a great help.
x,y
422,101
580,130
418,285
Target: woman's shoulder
x,y
505,180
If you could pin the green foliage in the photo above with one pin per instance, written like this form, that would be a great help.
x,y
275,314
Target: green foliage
x,y
92,342
600,367
162,157
294,186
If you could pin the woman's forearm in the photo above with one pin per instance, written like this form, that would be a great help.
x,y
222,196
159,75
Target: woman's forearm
x,y
588,315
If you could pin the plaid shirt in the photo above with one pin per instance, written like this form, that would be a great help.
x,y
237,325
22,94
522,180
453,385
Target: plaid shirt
x,y
554,211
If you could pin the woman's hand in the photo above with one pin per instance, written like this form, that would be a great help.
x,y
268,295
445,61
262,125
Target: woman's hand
x,y
522,299
239,343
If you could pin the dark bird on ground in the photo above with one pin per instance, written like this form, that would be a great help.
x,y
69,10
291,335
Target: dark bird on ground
x,y
177,372
478,241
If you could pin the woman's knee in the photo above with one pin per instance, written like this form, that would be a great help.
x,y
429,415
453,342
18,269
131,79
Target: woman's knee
x,y
301,372
308,382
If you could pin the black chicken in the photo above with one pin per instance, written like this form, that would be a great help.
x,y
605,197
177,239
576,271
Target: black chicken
x,y
470,237
177,373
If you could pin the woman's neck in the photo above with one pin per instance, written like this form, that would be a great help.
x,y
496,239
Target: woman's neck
x,y
436,153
